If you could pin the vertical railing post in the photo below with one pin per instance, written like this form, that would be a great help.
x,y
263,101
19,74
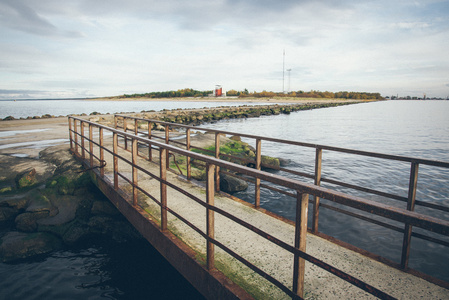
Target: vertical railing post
x,y
258,166
75,128
217,155
102,161
134,163
167,141
136,131
150,154
83,152
210,220
125,126
91,146
317,181
188,166
302,205
410,206
115,122
163,172
70,134
115,159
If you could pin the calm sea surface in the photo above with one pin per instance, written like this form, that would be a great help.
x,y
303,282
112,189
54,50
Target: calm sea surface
x,y
410,128
31,108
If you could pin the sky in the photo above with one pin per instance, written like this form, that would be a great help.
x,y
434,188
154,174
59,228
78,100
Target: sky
x,y
96,48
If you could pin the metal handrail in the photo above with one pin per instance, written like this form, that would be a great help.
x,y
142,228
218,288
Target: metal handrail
x,y
409,200
302,189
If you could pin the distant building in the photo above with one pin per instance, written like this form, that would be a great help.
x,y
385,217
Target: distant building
x,y
218,91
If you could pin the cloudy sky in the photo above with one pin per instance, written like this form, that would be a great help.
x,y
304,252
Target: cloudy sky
x,y
86,48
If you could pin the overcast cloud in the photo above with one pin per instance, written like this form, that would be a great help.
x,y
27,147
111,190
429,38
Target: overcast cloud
x,y
85,48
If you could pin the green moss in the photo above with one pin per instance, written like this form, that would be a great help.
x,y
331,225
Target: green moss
x,y
24,182
66,185
5,190
270,162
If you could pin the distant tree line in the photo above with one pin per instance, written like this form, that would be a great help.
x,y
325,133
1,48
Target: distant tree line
x,y
311,94
170,94
263,94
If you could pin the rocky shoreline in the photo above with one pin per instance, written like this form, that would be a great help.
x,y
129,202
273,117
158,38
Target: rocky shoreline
x,y
50,203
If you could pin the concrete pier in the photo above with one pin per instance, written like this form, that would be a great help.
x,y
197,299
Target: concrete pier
x,y
319,284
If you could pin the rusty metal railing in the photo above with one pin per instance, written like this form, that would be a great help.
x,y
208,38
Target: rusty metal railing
x,y
79,138
410,200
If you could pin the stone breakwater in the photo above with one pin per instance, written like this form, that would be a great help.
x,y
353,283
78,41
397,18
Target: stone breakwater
x,y
210,115
199,116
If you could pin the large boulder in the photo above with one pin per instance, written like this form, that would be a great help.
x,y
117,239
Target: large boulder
x,y
15,245
269,162
231,184
67,207
27,222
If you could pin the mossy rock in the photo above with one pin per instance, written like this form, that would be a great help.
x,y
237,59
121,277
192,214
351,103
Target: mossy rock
x,y
26,179
6,189
38,203
269,162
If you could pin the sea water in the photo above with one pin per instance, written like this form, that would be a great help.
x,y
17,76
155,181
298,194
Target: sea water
x,y
104,269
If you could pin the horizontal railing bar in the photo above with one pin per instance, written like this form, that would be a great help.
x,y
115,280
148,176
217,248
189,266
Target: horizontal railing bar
x,y
361,217
431,205
297,173
261,185
397,214
309,145
363,189
430,239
